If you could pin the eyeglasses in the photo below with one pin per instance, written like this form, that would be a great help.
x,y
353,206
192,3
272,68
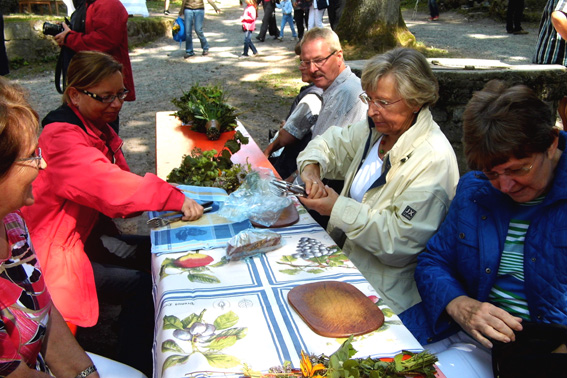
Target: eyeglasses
x,y
378,103
107,99
510,172
316,62
36,157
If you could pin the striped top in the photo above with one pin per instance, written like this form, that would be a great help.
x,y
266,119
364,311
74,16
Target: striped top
x,y
508,291
551,48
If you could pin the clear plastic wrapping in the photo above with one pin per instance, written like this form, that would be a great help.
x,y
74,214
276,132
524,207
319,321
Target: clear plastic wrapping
x,y
255,200
250,242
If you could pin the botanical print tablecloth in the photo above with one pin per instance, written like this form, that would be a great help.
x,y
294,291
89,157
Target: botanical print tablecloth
x,y
210,231
221,317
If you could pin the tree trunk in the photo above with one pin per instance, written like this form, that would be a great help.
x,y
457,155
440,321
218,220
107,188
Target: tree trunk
x,y
369,27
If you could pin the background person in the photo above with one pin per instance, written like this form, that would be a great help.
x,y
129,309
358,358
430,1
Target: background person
x,y
106,30
248,21
193,12
400,175
33,335
87,183
482,275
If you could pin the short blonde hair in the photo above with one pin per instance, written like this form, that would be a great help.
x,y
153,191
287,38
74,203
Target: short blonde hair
x,y
87,69
414,78
19,124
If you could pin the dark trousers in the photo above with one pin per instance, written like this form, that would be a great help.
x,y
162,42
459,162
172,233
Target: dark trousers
x,y
335,12
301,18
433,8
127,282
514,15
268,21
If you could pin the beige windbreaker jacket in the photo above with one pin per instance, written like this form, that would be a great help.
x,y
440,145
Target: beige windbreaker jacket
x,y
384,234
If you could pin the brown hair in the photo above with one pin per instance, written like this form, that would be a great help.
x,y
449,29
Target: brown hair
x,y
87,69
19,124
502,122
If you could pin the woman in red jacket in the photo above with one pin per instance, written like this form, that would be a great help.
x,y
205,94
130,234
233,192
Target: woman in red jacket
x,y
87,183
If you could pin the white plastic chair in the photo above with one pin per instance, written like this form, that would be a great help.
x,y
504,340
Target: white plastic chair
x,y
108,368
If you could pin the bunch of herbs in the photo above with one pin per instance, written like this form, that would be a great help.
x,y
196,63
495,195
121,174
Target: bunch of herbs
x,y
209,168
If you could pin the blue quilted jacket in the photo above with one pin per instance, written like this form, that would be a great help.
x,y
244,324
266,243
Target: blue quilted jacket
x,y
464,256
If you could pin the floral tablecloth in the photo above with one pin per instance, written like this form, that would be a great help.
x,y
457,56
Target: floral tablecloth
x,y
220,317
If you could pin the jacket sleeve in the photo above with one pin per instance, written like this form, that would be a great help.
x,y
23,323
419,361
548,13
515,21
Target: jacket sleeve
x,y
437,272
334,150
81,173
397,231
107,24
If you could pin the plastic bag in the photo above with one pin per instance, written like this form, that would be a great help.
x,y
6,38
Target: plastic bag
x,y
255,200
178,30
250,242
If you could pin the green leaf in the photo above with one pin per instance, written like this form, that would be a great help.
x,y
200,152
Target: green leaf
x,y
290,271
223,261
221,342
226,320
189,320
388,313
172,322
239,332
288,258
315,271
204,278
221,361
173,360
171,346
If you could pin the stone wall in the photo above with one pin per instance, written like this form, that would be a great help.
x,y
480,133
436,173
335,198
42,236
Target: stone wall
x,y
25,39
459,78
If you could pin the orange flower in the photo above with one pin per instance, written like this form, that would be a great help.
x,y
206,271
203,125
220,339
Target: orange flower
x,y
307,368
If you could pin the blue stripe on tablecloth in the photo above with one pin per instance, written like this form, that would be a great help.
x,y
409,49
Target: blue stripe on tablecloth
x,y
283,354
190,238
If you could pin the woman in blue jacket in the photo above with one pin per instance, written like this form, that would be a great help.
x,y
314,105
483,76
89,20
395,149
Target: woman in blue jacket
x,y
504,241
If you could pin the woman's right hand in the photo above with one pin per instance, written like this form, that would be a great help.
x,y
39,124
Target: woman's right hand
x,y
314,187
191,210
483,320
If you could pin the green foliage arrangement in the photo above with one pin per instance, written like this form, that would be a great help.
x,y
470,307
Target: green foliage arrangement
x,y
207,168
204,108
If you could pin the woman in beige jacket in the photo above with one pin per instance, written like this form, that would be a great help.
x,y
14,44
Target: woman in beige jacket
x,y
400,175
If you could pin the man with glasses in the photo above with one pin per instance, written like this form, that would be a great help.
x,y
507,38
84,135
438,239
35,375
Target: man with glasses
x,y
322,58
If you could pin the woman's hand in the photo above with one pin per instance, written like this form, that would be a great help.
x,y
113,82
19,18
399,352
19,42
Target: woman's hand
x,y
483,320
322,205
314,187
191,210
60,38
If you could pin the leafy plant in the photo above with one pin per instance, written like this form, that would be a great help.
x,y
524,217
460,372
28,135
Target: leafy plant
x,y
203,104
207,168
206,339
341,364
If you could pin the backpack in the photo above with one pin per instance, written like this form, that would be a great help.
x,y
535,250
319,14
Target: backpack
x,y
178,30
77,24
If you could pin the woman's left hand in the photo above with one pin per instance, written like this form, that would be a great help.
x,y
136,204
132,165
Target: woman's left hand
x,y
191,210
322,205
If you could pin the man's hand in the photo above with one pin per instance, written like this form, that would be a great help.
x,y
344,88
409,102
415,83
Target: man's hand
x,y
60,38
323,204
191,210
483,320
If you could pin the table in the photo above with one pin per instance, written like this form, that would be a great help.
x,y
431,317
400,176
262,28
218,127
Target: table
x,y
216,317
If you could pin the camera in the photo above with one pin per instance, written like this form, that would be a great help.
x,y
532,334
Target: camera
x,y
52,29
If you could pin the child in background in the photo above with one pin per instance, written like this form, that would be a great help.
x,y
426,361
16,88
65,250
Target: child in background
x,y
287,17
248,20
